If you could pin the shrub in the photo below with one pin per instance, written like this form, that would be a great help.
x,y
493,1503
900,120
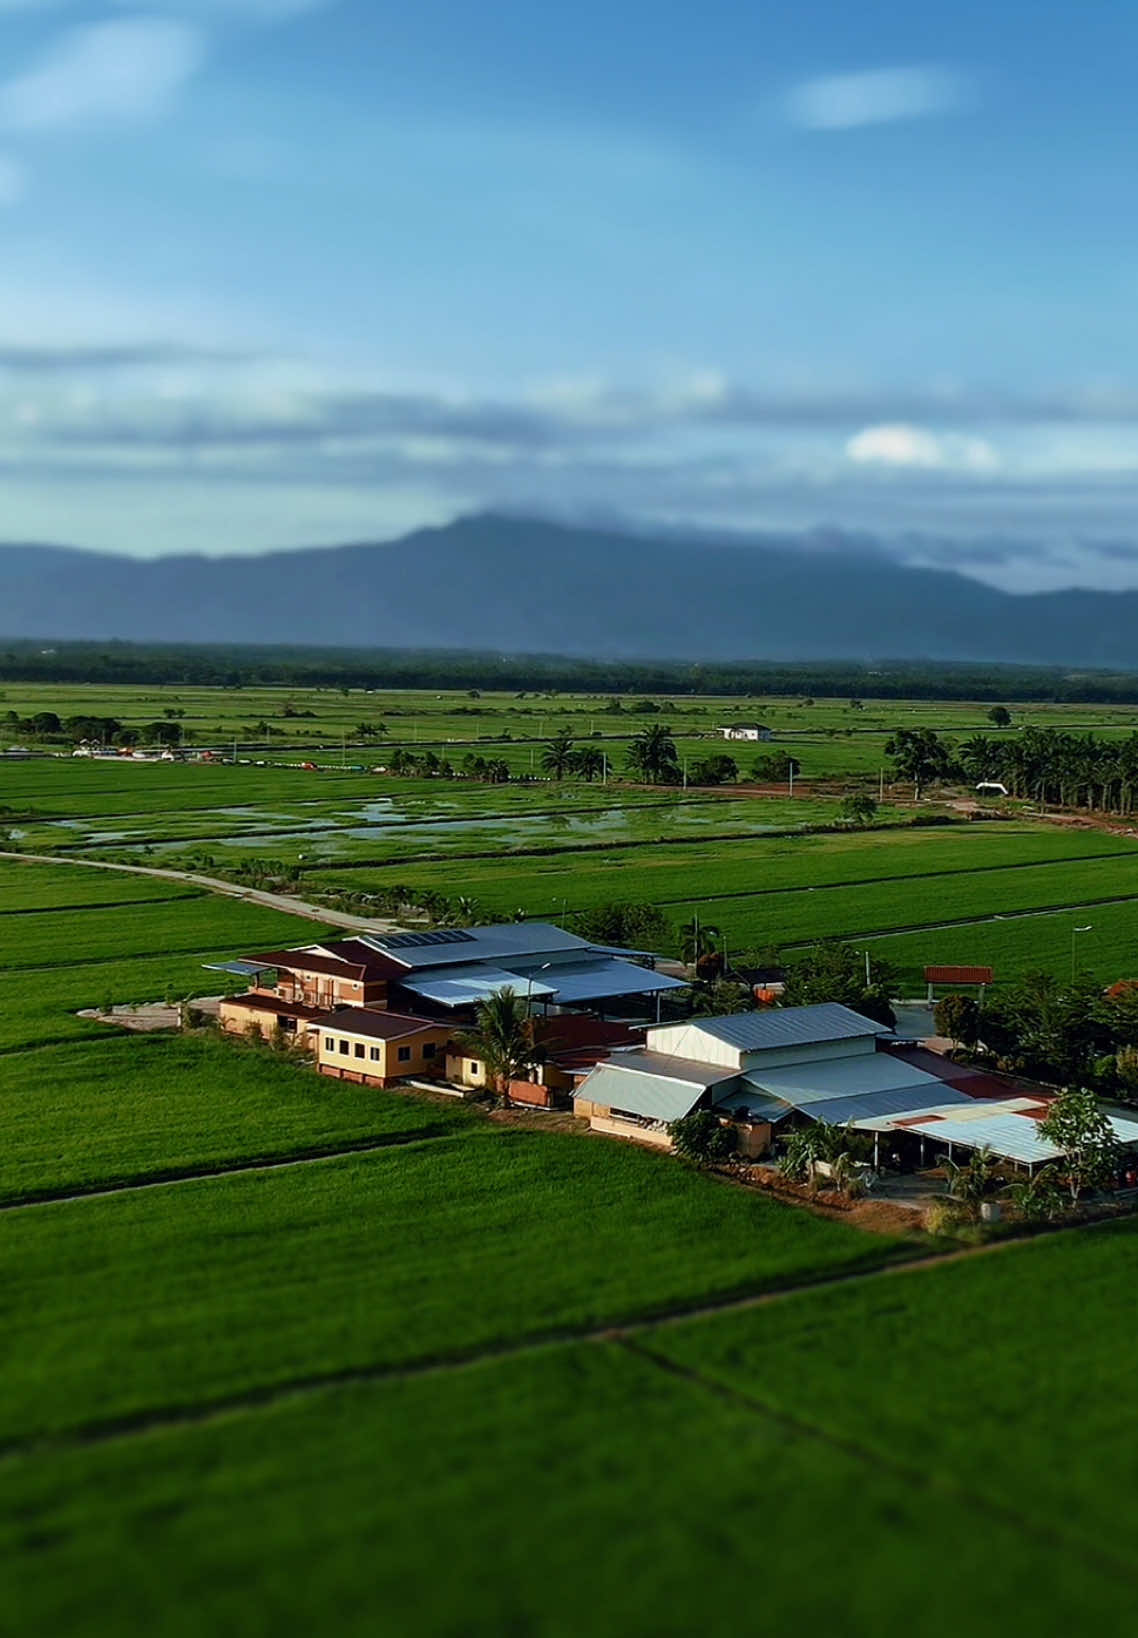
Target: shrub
x,y
703,1139
942,1217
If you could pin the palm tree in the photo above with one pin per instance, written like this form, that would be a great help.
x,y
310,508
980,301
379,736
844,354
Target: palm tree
x,y
652,755
467,910
558,756
589,762
697,939
502,1038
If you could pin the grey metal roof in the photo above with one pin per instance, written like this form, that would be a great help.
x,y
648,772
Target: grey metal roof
x,y
789,1026
638,1092
463,986
688,1070
882,1110
242,969
591,980
751,1105
1011,1136
854,1076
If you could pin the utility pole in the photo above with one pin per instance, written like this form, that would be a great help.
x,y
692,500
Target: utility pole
x,y
881,785
868,979
790,771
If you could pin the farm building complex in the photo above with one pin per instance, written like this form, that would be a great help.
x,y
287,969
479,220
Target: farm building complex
x,y
817,1063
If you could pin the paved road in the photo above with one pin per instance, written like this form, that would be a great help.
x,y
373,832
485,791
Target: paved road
x,y
231,890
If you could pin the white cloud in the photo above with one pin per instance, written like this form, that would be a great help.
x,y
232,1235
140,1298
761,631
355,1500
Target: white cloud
x,y
124,70
12,181
899,445
839,102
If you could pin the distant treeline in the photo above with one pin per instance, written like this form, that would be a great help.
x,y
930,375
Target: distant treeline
x,y
249,667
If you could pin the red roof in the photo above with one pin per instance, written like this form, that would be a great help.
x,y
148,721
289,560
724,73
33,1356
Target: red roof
x,y
355,963
571,1033
958,975
382,1026
271,1003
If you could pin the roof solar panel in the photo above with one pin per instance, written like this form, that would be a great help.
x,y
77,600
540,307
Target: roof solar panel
x,y
413,941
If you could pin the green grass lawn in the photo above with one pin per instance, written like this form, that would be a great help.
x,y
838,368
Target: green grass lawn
x,y
123,1107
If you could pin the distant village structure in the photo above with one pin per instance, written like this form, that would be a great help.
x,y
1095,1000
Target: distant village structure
x,y
749,730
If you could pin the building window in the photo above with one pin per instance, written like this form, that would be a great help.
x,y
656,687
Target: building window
x,y
376,1055
429,1050
359,1049
345,1047
474,1066
404,1055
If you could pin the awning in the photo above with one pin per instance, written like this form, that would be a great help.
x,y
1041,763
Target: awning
x,y
242,969
635,1092
1008,1135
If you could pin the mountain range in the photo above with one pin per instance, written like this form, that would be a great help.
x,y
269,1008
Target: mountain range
x,y
519,585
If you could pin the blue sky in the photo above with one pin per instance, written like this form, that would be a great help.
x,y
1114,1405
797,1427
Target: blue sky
x,y
278,272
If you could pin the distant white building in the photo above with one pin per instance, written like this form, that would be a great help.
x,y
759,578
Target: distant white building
x,y
748,730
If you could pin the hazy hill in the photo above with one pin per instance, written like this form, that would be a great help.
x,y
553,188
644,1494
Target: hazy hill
x,y
518,585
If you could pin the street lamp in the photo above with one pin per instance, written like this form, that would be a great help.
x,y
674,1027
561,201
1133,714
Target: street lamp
x,y
1089,928
544,968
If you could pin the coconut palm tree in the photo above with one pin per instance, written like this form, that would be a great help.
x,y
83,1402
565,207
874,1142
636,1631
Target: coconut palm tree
x,y
589,762
502,1038
652,755
558,756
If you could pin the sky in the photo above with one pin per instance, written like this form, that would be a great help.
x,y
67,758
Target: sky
x,y
278,273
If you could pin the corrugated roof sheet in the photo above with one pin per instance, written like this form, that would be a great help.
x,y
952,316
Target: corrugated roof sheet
x,y
958,975
636,1092
806,1084
463,986
576,981
878,1111
501,941
689,1070
241,969
789,1026
748,1104
1012,1137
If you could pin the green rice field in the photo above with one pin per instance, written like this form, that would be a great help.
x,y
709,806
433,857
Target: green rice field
x,y
830,737
768,871
283,1354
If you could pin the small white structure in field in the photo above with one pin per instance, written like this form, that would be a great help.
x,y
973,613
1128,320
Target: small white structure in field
x,y
749,730
991,787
